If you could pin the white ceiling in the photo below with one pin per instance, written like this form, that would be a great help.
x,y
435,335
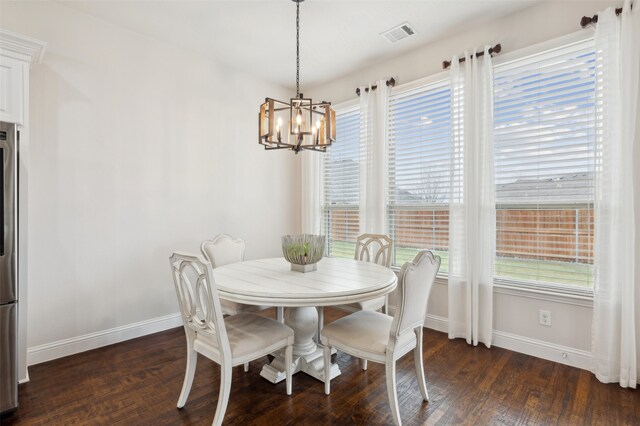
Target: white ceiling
x,y
337,36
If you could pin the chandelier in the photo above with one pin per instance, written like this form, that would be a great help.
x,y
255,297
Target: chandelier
x,y
299,124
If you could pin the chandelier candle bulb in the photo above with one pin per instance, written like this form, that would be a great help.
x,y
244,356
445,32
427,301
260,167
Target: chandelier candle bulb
x,y
279,129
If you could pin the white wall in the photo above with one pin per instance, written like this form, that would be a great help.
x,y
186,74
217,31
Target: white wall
x,y
137,149
516,312
534,25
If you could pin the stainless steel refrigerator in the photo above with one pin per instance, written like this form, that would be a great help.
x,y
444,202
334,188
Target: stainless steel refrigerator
x,y
8,269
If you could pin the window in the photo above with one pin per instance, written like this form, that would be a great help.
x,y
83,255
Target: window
x,y
545,153
544,131
341,168
419,171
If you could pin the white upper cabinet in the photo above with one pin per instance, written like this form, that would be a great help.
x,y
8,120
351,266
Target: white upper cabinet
x,y
17,53
11,90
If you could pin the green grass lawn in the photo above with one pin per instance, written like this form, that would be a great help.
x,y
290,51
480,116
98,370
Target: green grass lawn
x,y
578,274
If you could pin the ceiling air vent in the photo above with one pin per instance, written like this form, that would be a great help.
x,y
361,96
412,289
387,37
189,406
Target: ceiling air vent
x,y
395,34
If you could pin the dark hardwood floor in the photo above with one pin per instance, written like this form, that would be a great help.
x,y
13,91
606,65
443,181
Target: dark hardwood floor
x,y
138,382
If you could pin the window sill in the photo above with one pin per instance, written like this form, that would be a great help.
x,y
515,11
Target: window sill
x,y
579,297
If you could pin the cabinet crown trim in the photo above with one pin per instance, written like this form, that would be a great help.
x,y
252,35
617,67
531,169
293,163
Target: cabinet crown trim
x,y
21,47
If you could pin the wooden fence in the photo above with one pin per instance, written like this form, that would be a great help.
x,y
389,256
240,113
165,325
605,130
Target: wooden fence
x,y
558,234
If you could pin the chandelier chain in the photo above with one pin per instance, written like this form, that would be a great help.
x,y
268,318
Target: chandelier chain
x,y
297,49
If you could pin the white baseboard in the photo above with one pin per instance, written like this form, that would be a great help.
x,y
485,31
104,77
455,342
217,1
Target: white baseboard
x,y
541,349
74,345
436,323
526,345
551,351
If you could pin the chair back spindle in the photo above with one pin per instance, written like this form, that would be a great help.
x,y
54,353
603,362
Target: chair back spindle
x,y
375,248
198,297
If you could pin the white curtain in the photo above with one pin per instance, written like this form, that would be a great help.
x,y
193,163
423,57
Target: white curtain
x,y
617,198
374,111
472,213
311,196
374,106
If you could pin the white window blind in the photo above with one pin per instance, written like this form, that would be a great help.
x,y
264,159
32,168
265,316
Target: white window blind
x,y
341,168
544,131
419,171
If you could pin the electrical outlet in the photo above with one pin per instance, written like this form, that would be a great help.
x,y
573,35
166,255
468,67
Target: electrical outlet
x,y
545,318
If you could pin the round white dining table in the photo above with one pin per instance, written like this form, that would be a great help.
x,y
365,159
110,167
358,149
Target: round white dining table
x,y
336,281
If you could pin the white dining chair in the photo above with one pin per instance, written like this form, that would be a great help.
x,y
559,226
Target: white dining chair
x,y
230,341
375,248
380,338
223,250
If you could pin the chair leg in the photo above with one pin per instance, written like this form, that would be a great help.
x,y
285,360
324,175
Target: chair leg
x,y
246,367
192,359
223,397
327,368
390,370
280,314
364,363
288,359
417,357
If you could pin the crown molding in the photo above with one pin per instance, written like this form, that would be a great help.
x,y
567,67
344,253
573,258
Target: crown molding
x,y
23,48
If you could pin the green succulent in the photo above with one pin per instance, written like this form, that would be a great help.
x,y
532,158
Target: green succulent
x,y
298,250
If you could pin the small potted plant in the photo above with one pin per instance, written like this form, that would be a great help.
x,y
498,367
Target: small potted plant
x,y
303,251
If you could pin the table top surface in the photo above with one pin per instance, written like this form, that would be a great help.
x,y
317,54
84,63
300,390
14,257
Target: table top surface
x,y
271,281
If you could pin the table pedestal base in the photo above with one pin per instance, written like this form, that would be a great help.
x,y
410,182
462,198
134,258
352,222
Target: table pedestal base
x,y
307,356
312,364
